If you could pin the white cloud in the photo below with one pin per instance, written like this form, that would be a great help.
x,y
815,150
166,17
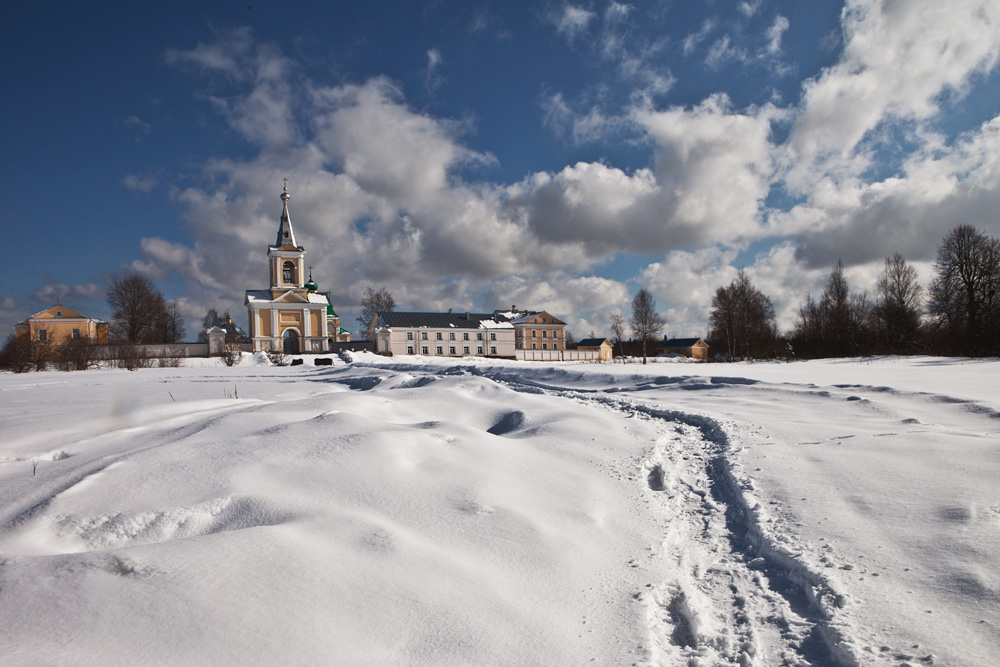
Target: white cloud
x,y
140,183
692,41
898,58
572,20
774,34
432,75
138,124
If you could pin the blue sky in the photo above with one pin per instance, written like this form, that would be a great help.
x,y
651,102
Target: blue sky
x,y
472,155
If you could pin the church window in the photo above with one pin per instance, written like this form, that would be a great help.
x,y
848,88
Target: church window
x,y
288,273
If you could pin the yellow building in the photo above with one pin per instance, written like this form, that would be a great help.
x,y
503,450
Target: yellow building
x,y
537,330
291,315
602,345
59,324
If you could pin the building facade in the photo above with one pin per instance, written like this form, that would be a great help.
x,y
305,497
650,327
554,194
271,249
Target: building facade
x,y
535,330
59,324
694,348
291,315
443,334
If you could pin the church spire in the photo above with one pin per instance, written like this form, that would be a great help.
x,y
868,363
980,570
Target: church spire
x,y
285,234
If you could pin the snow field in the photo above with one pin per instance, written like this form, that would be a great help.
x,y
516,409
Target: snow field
x,y
434,512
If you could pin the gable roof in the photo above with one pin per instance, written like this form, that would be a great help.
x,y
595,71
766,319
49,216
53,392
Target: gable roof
x,y
440,320
67,314
592,342
522,317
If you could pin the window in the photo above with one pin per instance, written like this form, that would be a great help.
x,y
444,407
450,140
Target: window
x,y
493,350
479,350
76,334
465,335
440,349
423,335
534,333
288,273
438,335
479,335
43,335
58,313
409,349
534,346
545,346
409,335
451,336
545,334
423,350
493,336
451,350
465,350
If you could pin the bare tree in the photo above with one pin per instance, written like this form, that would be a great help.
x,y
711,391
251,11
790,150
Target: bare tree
x,y
838,324
232,353
374,302
898,303
76,354
617,331
16,354
965,293
170,327
646,323
742,319
137,308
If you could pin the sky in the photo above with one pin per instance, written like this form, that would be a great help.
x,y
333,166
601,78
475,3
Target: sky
x,y
557,156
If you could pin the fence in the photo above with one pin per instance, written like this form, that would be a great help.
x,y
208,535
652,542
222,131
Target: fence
x,y
557,355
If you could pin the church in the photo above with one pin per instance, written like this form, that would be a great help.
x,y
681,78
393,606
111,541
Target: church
x,y
291,316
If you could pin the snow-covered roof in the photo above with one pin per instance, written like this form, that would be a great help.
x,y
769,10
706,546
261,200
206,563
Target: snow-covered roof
x,y
415,320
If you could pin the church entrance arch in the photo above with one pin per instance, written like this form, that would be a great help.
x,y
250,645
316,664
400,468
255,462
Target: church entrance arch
x,y
290,341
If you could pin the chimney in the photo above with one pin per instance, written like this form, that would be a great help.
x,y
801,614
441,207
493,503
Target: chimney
x,y
513,308
449,311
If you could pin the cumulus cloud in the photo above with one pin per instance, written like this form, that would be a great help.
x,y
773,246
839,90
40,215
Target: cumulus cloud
x,y
898,59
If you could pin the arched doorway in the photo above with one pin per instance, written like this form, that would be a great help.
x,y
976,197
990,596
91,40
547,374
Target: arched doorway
x,y
290,341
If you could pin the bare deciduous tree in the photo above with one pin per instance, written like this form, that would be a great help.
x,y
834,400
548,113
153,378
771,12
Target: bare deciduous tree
x,y
137,308
965,293
646,323
374,302
617,331
898,303
742,319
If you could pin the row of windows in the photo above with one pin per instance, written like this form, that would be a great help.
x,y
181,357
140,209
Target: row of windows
x,y
43,334
451,349
451,335
545,333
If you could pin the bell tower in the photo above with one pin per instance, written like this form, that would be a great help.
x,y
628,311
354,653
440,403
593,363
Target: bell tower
x,y
285,259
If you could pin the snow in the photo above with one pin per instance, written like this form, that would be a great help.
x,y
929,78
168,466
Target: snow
x,y
450,512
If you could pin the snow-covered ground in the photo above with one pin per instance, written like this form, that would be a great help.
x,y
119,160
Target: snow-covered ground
x,y
432,512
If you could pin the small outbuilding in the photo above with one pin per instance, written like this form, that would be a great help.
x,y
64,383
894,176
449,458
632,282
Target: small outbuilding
x,y
602,345
693,348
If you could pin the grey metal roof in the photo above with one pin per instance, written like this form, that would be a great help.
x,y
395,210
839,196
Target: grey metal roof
x,y
591,342
435,320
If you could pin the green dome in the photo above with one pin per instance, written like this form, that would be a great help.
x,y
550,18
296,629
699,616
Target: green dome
x,y
311,286
330,312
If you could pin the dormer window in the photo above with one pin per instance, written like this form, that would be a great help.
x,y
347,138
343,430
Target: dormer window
x,y
288,273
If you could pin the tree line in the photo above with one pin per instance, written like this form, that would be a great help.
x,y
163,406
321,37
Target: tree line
x,y
958,314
